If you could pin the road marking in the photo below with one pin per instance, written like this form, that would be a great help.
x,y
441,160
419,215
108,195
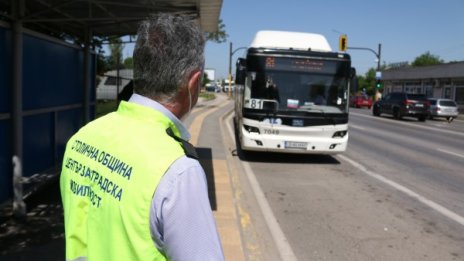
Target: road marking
x,y
439,208
355,127
281,242
451,153
408,124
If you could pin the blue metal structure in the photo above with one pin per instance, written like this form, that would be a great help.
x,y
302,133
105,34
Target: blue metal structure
x,y
47,86
5,107
52,102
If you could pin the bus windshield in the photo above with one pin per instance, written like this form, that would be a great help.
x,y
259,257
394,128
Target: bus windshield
x,y
287,91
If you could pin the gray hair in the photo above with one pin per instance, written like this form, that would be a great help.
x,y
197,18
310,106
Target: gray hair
x,y
168,50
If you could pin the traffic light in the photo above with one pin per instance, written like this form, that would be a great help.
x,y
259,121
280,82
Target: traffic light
x,y
378,84
343,42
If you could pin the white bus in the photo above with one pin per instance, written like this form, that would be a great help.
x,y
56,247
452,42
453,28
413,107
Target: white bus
x,y
292,94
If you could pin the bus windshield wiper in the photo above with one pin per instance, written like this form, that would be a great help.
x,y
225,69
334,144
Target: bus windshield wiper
x,y
311,108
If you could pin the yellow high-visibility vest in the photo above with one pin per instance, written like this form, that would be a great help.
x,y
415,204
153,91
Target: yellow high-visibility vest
x,y
110,171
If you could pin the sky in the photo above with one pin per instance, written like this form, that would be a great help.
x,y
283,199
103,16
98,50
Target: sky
x,y
405,29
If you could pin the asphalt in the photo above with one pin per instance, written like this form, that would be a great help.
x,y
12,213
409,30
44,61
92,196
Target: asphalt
x,y
40,235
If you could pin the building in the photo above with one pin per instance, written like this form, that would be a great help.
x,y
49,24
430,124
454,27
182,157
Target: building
x,y
109,87
439,81
210,73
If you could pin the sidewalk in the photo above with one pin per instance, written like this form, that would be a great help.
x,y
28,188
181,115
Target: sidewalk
x,y
221,192
40,236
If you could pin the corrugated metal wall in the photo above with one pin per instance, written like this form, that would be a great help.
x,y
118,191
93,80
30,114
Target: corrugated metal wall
x,y
5,108
53,93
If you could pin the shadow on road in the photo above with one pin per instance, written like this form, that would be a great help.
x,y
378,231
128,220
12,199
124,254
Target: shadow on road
x,y
206,161
272,157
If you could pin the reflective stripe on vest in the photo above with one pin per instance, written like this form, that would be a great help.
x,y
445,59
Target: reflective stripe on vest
x,y
110,171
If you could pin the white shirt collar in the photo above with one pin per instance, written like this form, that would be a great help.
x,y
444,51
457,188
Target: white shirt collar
x,y
142,100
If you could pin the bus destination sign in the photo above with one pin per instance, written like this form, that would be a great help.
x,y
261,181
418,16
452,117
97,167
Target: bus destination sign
x,y
300,65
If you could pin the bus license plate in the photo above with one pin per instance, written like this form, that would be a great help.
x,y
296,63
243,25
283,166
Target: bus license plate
x,y
296,145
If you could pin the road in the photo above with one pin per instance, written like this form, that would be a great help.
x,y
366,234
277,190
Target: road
x,y
427,158
396,194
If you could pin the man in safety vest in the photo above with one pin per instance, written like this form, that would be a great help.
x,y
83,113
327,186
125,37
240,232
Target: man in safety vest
x,y
132,187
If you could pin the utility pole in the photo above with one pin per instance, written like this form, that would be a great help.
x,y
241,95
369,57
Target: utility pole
x,y
229,92
231,53
378,55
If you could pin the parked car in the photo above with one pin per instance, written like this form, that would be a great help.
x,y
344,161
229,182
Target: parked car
x,y
444,108
211,87
226,88
359,101
401,104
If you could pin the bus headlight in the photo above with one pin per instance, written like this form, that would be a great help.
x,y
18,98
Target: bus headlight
x,y
251,128
339,134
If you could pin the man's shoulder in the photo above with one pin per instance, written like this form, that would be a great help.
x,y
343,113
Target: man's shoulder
x,y
185,163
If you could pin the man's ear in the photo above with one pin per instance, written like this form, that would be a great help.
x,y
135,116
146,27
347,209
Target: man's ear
x,y
194,81
194,86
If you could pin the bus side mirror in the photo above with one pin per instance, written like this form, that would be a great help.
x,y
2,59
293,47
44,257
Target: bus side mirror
x,y
353,81
240,72
352,72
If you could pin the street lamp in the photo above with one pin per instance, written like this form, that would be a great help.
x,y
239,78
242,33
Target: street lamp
x,y
377,54
231,53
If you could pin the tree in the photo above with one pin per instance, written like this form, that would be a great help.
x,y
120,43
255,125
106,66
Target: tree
x,y
205,79
102,62
116,47
427,59
129,63
220,36
367,82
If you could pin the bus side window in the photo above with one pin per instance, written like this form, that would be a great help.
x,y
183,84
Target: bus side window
x,y
240,72
247,89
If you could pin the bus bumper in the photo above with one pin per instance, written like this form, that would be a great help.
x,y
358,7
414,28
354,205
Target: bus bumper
x,y
307,145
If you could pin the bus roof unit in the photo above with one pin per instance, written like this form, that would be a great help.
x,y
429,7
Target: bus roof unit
x,y
290,40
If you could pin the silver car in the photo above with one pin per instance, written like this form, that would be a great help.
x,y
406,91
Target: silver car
x,y
444,108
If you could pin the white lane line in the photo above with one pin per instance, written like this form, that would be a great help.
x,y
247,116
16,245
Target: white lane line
x,y
355,127
408,124
451,153
281,242
444,211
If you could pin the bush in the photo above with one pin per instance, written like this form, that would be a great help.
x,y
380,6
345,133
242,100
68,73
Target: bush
x,y
104,107
208,95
